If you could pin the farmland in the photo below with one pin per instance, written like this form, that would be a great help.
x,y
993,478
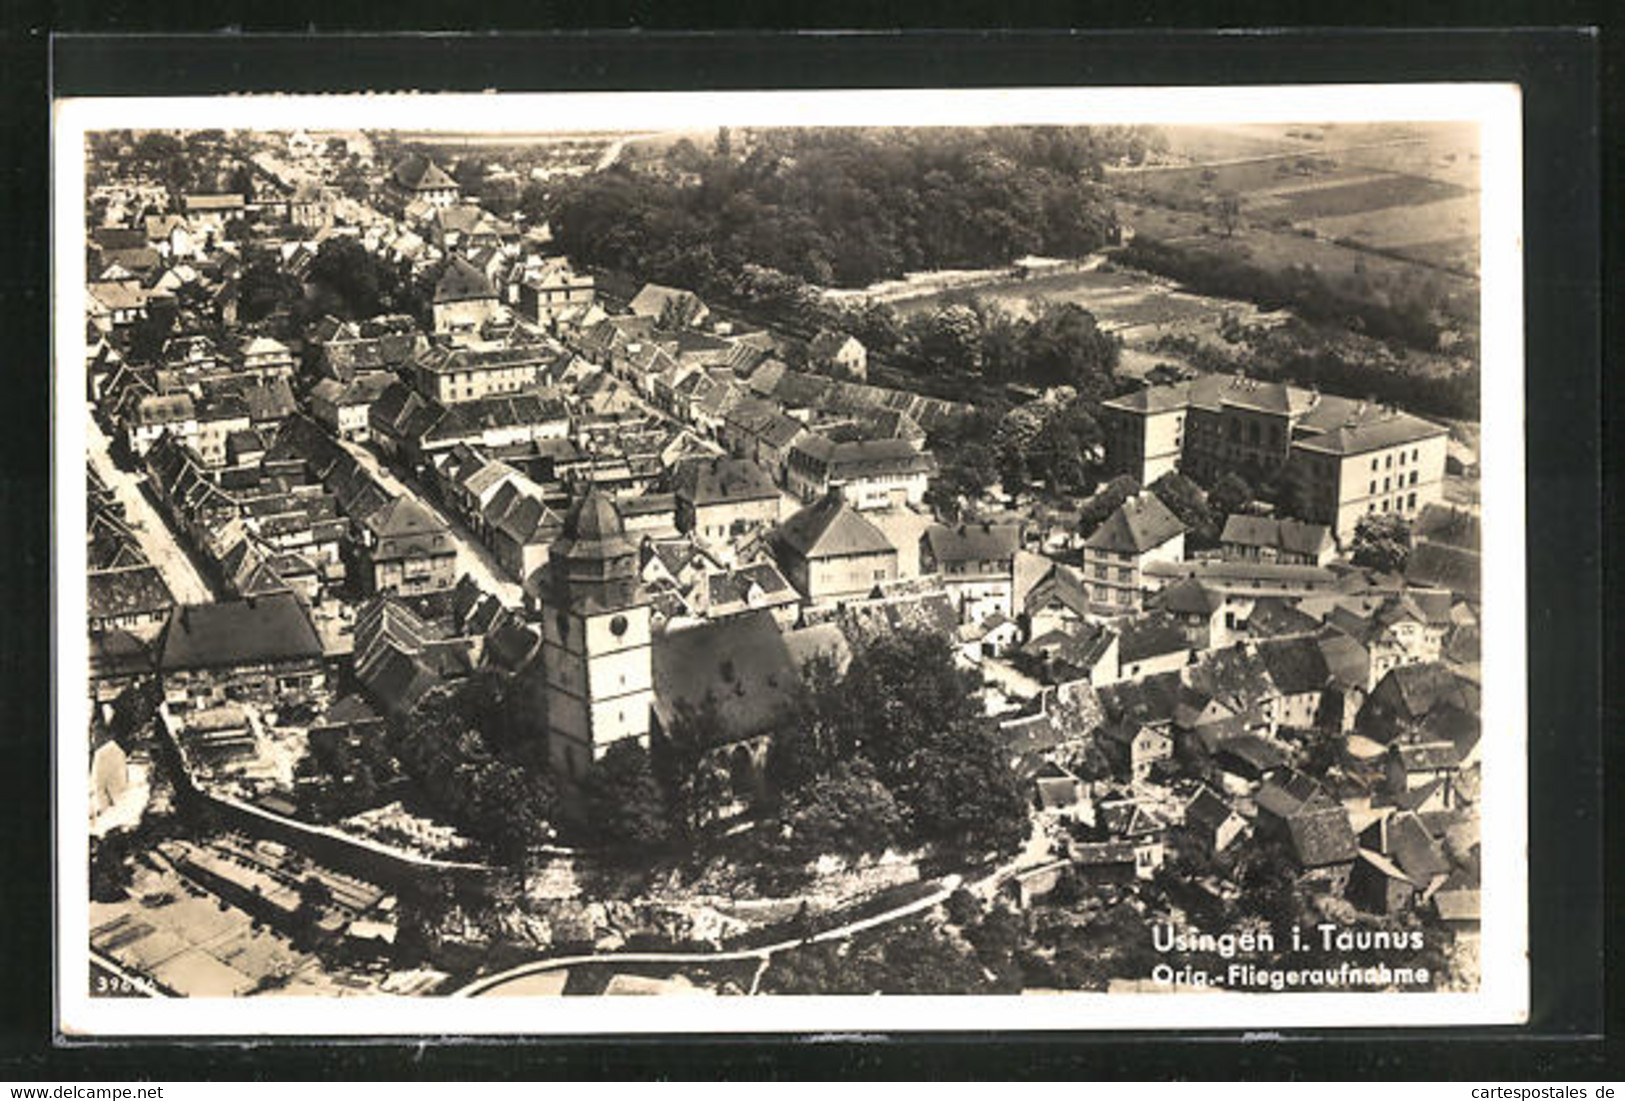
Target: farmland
x,y
1409,191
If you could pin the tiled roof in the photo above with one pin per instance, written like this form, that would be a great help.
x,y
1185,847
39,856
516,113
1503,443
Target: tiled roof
x,y
226,634
419,173
1292,536
973,542
1296,665
1389,431
742,663
1323,837
1140,524
1149,636
135,590
707,481
462,282
831,528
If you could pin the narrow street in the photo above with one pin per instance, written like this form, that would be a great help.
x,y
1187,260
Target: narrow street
x,y
473,557
158,542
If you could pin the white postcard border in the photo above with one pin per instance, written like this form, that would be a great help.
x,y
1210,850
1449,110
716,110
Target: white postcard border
x,y
1503,995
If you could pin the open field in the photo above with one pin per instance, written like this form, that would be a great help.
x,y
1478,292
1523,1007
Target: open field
x,y
1357,196
1405,189
1275,250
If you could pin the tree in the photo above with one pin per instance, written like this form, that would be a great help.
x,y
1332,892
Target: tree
x,y
686,761
1063,346
959,787
242,182
964,472
1229,495
621,799
898,695
1107,500
849,811
362,284
1186,500
1227,207
1382,542
263,287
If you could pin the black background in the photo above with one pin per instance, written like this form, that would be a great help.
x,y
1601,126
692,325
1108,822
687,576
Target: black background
x,y
1562,74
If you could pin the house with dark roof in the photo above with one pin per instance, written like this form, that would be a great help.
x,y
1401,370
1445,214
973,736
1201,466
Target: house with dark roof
x,y
346,407
1056,601
747,588
1324,844
407,550
1411,700
722,499
1429,766
464,299
828,550
417,179
1297,668
976,564
1135,749
1213,821
1079,650
264,648
1207,617
134,599
1399,629
1140,532
1272,539
870,473
1151,644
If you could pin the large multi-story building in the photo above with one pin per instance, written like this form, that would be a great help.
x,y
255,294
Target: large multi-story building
x,y
830,552
869,473
552,288
1343,457
1391,465
455,374
595,639
1142,531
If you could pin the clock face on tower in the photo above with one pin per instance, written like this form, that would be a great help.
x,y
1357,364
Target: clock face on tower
x,y
617,626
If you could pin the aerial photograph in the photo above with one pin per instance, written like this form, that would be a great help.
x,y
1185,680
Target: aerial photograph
x,y
753,561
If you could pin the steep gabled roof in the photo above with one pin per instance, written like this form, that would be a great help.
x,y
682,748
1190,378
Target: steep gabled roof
x,y
416,172
1296,665
1140,524
831,528
462,282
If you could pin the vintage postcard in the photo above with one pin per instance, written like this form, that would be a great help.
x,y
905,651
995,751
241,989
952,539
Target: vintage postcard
x,y
1051,559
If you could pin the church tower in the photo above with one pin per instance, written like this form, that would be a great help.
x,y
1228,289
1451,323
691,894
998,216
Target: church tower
x,y
595,639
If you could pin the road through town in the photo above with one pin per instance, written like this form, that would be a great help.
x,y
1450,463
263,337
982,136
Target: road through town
x,y
157,541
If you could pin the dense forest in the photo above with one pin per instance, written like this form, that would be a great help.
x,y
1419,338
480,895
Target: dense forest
x,y
846,207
